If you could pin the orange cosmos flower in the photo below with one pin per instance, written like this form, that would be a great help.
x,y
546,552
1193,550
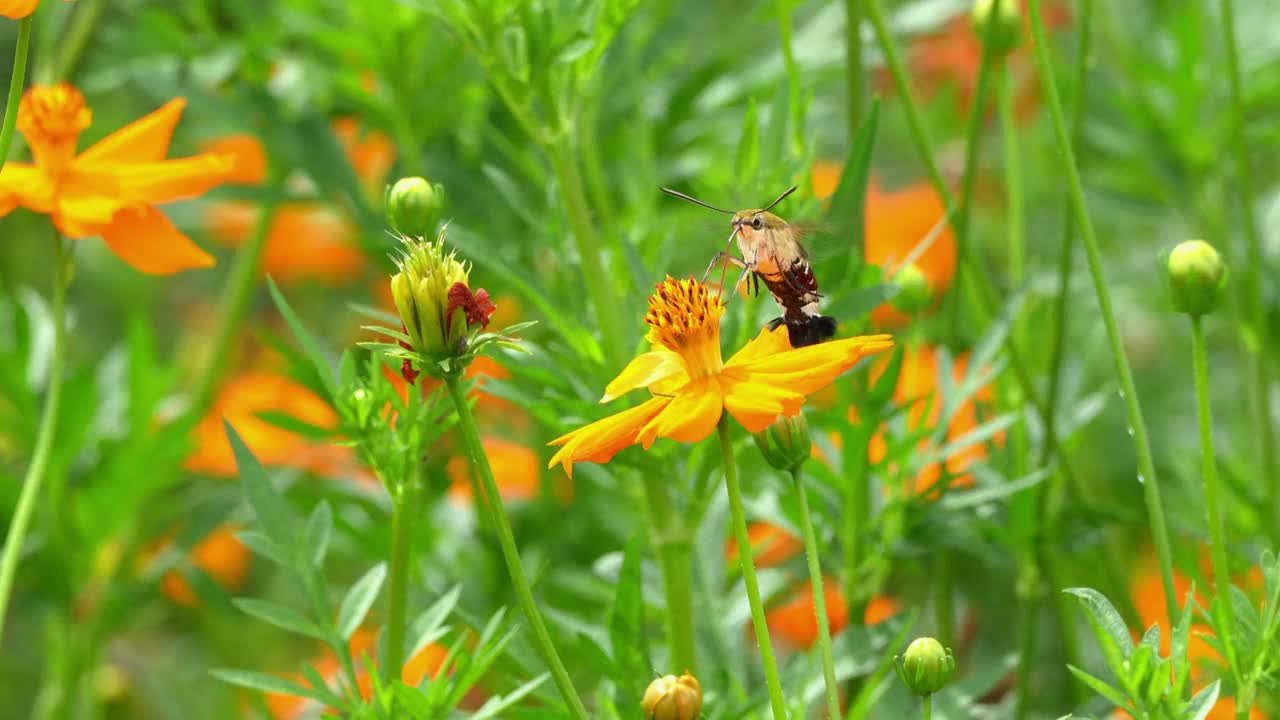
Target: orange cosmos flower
x,y
18,9
770,544
220,555
110,189
515,470
1224,709
693,386
257,392
371,153
796,619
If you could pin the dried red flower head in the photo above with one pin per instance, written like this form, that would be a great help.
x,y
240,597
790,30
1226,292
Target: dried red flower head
x,y
477,307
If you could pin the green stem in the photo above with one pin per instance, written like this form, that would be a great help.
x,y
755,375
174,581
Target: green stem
x,y
15,88
1253,271
793,78
926,707
819,598
745,559
1212,510
404,510
1146,465
72,43
498,516
853,64
32,481
236,294
564,163
944,606
675,561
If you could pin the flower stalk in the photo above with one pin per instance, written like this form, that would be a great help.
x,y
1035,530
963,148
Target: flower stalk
x,y
819,596
36,471
15,87
404,510
1146,465
671,541
506,540
853,64
776,699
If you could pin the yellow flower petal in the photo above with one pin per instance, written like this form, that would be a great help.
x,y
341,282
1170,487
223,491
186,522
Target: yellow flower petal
x,y
599,441
811,368
143,140
17,9
767,342
167,180
645,370
24,184
146,239
690,417
754,404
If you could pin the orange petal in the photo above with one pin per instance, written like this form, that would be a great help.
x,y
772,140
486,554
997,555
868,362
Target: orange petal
x,y
26,185
599,441
166,180
811,368
767,342
690,417
249,158
643,371
515,470
17,9
143,140
770,545
144,238
755,405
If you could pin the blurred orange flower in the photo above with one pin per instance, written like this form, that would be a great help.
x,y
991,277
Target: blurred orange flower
x,y
771,545
952,56
917,386
1224,709
515,469
796,619
110,189
18,9
371,153
220,555
239,403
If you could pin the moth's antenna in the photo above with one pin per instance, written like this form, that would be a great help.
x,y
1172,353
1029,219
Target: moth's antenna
x,y
781,197
696,201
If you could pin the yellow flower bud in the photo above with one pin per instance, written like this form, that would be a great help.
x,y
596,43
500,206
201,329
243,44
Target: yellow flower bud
x,y
998,22
421,293
673,698
785,444
1197,275
913,294
926,666
414,205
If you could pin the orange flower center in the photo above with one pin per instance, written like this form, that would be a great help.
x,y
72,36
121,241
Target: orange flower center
x,y
684,317
52,117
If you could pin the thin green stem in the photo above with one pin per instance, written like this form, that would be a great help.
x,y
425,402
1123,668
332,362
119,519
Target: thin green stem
x,y
498,516
34,477
732,489
926,707
675,561
72,42
564,163
234,303
819,597
944,606
404,510
854,78
15,88
1146,465
1212,509
793,77
1253,270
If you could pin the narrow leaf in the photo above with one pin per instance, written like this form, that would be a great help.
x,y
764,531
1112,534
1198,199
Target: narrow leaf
x,y
359,599
281,616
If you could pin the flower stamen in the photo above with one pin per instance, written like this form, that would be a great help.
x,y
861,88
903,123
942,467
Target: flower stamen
x,y
52,117
684,317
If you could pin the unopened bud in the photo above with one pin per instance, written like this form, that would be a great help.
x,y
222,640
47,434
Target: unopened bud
x,y
998,22
673,698
1197,275
433,299
926,666
414,205
785,444
913,294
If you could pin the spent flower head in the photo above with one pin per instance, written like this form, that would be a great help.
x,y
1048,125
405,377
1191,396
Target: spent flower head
x,y
673,698
1197,274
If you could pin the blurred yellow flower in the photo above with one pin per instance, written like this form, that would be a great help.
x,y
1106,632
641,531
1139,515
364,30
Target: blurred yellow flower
x,y
18,9
110,189
693,386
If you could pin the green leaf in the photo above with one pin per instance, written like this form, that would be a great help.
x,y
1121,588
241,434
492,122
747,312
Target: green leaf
x,y
304,338
266,683
285,618
626,621
413,702
264,546
748,161
1203,702
1108,621
273,513
847,213
319,529
1113,696
495,705
429,625
359,599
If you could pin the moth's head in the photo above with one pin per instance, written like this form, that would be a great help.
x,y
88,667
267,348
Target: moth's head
x,y
748,222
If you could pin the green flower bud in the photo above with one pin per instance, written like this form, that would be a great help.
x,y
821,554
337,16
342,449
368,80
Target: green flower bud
x,y
914,293
673,698
1197,275
998,22
421,290
785,444
926,666
414,205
